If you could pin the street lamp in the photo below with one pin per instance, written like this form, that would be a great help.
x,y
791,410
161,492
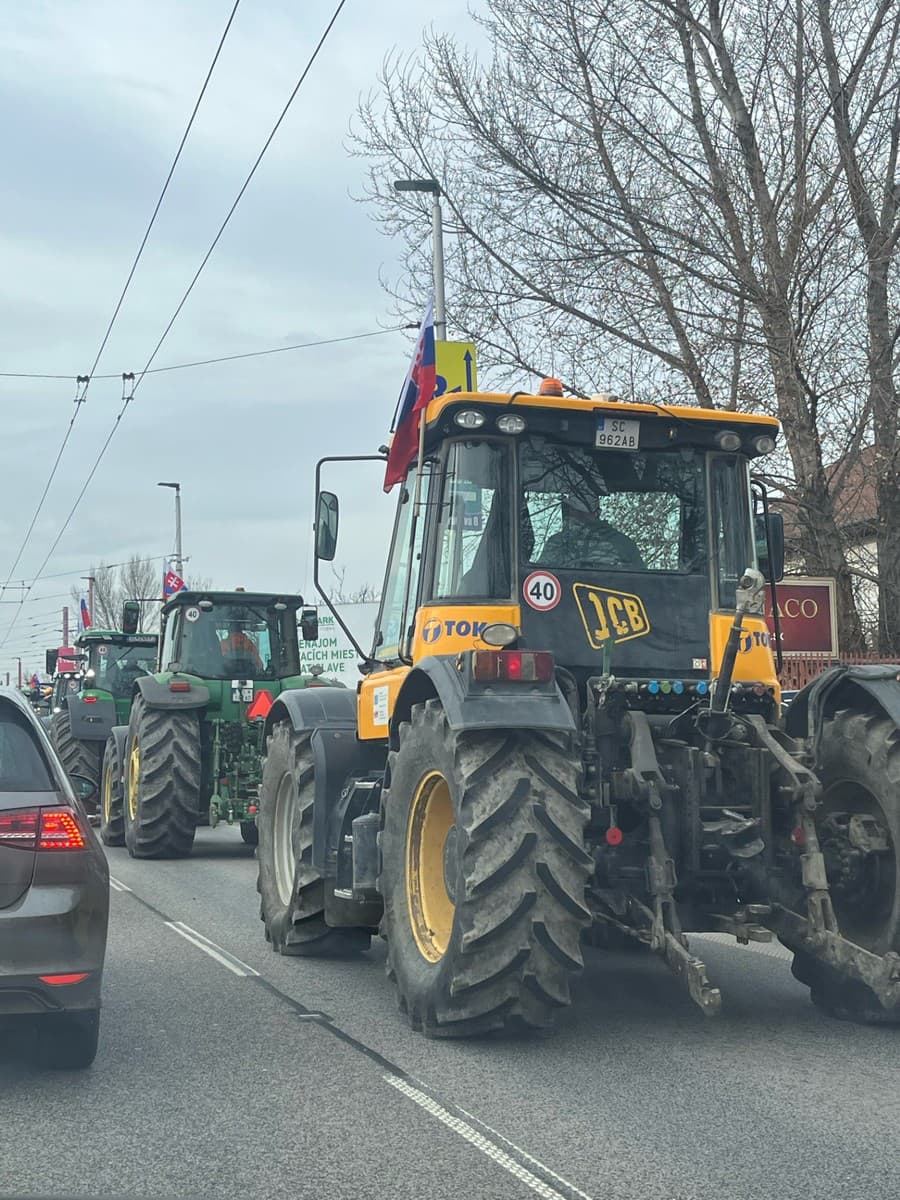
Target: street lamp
x,y
179,565
437,247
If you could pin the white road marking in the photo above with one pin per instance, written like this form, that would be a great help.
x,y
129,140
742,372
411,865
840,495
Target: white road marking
x,y
484,1144
773,949
223,957
117,885
524,1154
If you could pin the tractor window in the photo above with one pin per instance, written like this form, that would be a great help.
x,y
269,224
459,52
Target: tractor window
x,y
117,668
398,584
473,535
586,509
732,526
235,641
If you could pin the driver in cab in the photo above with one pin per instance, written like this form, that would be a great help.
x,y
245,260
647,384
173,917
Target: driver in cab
x,y
238,645
588,540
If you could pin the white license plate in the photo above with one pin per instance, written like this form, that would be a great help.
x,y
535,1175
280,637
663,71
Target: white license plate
x,y
616,434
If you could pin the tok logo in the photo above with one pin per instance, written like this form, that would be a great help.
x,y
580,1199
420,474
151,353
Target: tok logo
x,y
432,630
757,638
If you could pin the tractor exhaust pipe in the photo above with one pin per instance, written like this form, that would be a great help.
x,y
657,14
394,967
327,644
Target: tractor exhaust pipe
x,y
749,591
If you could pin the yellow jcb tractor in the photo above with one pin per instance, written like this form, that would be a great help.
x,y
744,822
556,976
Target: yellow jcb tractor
x,y
569,727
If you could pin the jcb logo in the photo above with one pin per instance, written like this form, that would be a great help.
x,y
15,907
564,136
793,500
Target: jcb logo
x,y
610,616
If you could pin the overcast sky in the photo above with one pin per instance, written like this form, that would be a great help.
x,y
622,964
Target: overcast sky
x,y
95,96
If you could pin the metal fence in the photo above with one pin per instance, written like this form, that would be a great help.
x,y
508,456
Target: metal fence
x,y
801,669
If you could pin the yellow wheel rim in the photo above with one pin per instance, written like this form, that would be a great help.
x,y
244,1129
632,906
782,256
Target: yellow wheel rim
x,y
134,775
430,906
107,791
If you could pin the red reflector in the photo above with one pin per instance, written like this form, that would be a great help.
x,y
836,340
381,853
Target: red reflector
x,y
19,829
261,706
60,830
179,685
798,837
512,666
90,699
252,810
614,836
63,980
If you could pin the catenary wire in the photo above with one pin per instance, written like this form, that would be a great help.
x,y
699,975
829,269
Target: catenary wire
x,y
80,397
130,395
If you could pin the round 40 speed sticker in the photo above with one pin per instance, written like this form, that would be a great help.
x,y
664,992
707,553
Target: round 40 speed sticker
x,y
192,614
541,591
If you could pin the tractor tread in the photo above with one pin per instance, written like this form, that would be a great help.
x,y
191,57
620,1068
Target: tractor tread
x,y
169,745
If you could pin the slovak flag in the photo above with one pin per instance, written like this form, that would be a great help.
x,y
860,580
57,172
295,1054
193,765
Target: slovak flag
x,y
84,614
172,583
418,389
34,681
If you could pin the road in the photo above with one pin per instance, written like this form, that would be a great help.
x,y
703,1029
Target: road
x,y
226,1070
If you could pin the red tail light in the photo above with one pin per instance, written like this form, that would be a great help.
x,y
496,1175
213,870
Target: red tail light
x,y
512,666
179,685
19,829
90,699
60,830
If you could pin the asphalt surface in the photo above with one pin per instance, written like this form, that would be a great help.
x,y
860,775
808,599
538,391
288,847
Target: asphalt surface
x,y
226,1070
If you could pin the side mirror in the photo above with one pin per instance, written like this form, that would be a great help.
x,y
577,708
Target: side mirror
x,y
770,545
84,788
50,660
131,616
309,624
326,526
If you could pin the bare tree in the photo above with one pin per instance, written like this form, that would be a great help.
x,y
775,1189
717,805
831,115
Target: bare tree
x,y
138,579
659,197
342,593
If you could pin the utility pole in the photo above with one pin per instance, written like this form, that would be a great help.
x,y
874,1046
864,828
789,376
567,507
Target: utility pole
x,y
65,629
19,661
437,248
179,560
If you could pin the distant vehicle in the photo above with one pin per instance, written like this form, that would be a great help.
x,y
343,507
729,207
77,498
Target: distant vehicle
x,y
54,895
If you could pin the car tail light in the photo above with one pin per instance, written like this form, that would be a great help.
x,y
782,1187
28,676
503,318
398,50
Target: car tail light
x,y
60,830
19,829
64,980
512,666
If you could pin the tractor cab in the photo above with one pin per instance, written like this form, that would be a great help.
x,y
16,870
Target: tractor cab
x,y
234,635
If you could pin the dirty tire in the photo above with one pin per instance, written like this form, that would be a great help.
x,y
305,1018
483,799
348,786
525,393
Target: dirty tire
x,y
292,893
162,804
76,756
514,865
859,765
111,804
249,833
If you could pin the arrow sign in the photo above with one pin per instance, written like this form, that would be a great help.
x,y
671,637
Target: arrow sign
x,y
456,367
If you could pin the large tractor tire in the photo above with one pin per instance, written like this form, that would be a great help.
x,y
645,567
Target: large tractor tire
x,y
859,766
249,833
162,781
483,876
291,891
112,815
77,757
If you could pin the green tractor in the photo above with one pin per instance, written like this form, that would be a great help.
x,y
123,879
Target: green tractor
x,y
192,752
88,703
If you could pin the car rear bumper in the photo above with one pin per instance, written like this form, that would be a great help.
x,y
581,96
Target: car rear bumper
x,y
53,930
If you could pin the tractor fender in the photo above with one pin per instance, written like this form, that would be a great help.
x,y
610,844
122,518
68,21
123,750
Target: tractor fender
x,y
156,694
91,721
862,687
328,714
470,705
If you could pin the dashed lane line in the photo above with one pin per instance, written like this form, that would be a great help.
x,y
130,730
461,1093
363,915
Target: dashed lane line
x,y
117,885
486,1145
235,965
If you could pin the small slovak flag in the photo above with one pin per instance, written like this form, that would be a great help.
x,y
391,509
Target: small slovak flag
x,y
172,582
418,389
84,614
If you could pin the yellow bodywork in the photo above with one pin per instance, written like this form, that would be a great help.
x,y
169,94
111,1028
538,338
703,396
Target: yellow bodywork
x,y
755,661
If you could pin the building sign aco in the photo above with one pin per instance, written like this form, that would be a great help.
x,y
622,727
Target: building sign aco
x,y
807,616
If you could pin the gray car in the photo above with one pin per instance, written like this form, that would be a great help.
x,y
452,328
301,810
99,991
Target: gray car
x,y
54,895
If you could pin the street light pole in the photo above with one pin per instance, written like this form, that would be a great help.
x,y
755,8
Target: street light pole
x,y
437,248
179,561
19,661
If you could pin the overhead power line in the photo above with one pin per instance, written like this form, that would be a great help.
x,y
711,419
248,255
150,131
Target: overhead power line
x,y
207,362
84,381
129,394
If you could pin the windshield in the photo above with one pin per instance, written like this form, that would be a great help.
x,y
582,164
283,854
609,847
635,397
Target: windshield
x,y
116,667
238,641
589,509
